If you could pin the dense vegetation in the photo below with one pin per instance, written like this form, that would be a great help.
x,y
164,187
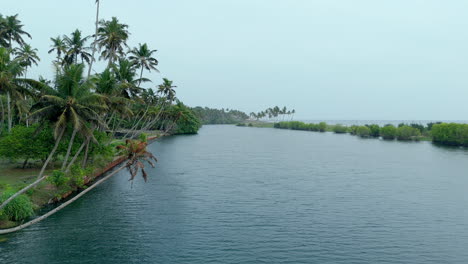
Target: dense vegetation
x,y
274,113
443,133
70,123
219,116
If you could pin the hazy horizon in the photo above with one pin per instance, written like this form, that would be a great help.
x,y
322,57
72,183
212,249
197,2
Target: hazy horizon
x,y
328,59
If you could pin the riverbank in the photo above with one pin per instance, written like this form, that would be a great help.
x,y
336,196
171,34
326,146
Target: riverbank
x,y
47,193
449,134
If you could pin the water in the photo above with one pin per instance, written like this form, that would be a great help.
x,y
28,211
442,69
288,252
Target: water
x,y
259,195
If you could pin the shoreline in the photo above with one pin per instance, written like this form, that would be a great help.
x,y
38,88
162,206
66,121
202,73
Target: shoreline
x,y
89,182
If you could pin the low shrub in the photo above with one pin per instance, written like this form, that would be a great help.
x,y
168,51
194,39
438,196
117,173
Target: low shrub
x,y
340,129
450,134
20,209
322,126
363,131
374,130
388,132
408,133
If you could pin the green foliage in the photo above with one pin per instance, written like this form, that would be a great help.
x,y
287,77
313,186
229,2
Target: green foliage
x,y
241,124
58,178
451,134
353,129
322,126
27,143
388,132
21,208
78,174
408,133
219,116
374,130
340,129
143,137
363,131
186,121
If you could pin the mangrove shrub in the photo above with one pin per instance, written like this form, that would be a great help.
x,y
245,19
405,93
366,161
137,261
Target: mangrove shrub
x,y
388,132
408,133
340,129
450,134
363,131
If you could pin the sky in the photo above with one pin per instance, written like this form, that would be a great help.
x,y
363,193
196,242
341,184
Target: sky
x,y
327,59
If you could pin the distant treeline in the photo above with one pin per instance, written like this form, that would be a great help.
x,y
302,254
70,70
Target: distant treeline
x,y
452,134
219,116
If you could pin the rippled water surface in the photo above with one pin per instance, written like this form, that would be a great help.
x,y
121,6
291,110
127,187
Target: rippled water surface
x,y
253,195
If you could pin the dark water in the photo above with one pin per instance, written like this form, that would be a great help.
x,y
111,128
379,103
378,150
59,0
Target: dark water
x,y
252,195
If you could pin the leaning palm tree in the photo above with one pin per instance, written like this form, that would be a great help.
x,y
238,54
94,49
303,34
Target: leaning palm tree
x,y
72,105
143,58
12,30
111,39
167,89
76,47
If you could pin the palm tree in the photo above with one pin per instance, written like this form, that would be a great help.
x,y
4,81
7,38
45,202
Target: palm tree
x,y
10,84
167,89
98,2
111,39
59,46
76,47
27,57
127,84
143,58
135,152
11,30
73,105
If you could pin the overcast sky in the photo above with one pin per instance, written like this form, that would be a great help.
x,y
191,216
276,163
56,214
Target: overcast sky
x,y
328,59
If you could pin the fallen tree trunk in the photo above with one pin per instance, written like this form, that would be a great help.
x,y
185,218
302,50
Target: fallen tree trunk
x,y
42,217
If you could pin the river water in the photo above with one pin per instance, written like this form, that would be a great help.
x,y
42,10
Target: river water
x,y
260,195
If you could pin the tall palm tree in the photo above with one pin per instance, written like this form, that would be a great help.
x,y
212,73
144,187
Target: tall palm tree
x,y
98,2
76,47
11,30
59,46
143,58
27,57
167,89
111,39
72,104
10,83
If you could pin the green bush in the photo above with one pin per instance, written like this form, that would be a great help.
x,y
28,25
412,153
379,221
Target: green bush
x,y
322,126
388,132
58,178
340,129
408,133
21,208
450,134
240,124
353,130
374,130
363,131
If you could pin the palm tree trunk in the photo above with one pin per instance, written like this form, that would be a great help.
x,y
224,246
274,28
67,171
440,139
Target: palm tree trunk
x,y
95,39
70,145
76,156
14,229
3,114
141,75
10,120
85,158
57,141
39,180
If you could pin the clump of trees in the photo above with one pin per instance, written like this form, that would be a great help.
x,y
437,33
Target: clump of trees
x,y
219,116
451,134
71,120
274,114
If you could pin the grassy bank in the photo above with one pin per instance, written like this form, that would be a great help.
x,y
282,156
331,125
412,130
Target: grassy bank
x,y
451,134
